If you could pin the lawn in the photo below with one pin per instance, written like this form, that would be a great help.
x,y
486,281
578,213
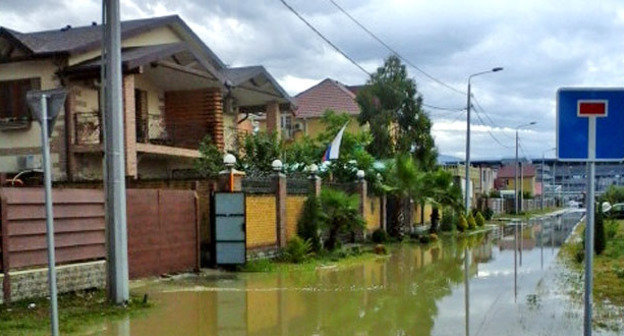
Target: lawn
x,y
77,311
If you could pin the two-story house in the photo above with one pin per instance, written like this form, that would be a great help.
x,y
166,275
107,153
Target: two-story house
x,y
176,91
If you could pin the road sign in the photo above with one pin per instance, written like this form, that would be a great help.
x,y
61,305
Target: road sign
x,y
577,108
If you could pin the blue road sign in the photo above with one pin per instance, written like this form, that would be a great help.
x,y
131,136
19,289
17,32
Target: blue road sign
x,y
577,108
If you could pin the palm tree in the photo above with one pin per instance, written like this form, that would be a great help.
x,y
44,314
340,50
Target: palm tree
x,y
409,183
341,214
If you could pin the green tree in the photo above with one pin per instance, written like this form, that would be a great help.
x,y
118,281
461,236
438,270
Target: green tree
x,y
480,219
258,152
210,161
472,223
342,215
392,107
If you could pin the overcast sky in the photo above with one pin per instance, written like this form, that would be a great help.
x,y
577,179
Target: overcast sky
x,y
543,45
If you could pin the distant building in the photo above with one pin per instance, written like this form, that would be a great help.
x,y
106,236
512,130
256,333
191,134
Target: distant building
x,y
506,179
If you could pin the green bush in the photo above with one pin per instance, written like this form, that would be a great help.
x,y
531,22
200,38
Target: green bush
x,y
611,229
599,231
447,221
379,236
480,219
341,215
488,213
472,223
310,222
494,193
462,225
297,250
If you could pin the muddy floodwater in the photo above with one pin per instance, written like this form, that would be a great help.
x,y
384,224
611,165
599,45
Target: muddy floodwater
x,y
417,290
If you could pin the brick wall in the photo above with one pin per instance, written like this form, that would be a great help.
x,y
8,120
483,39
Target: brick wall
x,y
372,212
261,219
294,206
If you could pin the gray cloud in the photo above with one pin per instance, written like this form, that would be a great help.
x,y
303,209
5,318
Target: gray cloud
x,y
543,45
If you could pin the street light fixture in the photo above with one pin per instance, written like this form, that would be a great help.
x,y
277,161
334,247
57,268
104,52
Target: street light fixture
x,y
516,165
467,176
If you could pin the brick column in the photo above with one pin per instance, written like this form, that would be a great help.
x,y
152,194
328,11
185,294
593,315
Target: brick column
x,y
130,126
273,120
224,180
362,190
315,182
280,208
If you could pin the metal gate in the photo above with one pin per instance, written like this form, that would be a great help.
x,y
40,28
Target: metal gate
x,y
228,230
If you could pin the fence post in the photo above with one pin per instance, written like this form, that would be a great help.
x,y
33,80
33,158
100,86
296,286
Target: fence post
x,y
6,281
315,180
280,208
363,192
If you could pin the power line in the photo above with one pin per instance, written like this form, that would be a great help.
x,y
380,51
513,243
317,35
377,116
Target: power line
x,y
490,132
492,123
323,37
396,53
335,47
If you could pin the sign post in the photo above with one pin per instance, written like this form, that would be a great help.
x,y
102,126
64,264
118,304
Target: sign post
x,y
46,106
582,114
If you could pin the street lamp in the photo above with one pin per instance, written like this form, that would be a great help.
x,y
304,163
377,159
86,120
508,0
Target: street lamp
x,y
467,176
516,165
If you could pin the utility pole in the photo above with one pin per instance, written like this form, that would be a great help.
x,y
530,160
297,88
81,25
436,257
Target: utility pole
x,y
114,165
468,107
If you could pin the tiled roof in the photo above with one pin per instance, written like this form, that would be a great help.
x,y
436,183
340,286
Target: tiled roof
x,y
508,171
328,94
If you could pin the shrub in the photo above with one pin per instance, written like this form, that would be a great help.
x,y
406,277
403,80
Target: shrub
x,y
480,219
599,231
309,224
341,214
462,225
435,218
472,223
380,249
488,213
611,229
433,237
494,193
425,239
379,236
210,161
446,224
297,250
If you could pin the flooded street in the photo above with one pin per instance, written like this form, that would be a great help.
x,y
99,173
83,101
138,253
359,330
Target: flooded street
x,y
414,291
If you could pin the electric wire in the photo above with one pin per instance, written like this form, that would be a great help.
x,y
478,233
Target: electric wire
x,y
396,53
340,51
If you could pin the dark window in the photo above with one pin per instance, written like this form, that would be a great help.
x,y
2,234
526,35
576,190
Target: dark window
x,y
13,98
140,108
14,113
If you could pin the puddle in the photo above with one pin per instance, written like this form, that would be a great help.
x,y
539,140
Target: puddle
x,y
416,291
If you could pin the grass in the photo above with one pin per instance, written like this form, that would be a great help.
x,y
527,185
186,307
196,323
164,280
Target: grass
x,y
526,214
76,311
337,258
608,266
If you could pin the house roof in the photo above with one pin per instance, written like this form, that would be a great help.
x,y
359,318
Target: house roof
x,y
328,94
255,77
76,40
133,57
509,171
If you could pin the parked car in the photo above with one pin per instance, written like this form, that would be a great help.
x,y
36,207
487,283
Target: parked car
x,y
616,211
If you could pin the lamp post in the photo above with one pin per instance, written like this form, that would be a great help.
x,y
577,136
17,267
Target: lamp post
x,y
467,176
229,161
516,165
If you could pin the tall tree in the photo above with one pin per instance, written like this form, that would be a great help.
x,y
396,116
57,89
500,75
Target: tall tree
x,y
392,107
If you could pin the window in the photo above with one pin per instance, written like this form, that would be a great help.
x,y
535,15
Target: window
x,y
14,111
140,109
286,125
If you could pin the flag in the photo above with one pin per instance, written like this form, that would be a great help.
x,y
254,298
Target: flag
x,y
333,150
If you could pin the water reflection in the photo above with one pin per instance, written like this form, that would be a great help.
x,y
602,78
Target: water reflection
x,y
415,291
